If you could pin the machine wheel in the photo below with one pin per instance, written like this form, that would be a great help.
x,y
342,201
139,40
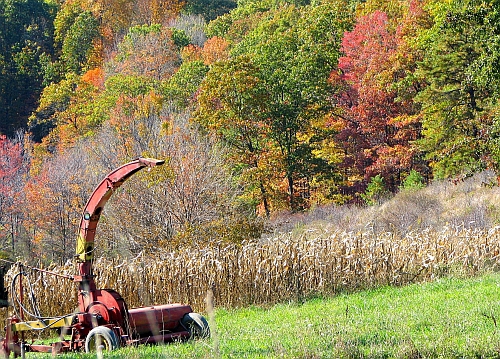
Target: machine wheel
x,y
196,324
101,336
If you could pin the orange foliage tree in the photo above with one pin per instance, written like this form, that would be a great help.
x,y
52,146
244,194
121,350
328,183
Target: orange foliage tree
x,y
215,49
54,199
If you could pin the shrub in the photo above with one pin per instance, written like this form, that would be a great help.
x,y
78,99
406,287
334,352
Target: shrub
x,y
375,191
413,181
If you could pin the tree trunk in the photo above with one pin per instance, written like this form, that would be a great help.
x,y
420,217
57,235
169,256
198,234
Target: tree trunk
x,y
291,193
264,200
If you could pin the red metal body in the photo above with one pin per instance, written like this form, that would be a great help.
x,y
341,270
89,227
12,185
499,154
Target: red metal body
x,y
105,307
152,323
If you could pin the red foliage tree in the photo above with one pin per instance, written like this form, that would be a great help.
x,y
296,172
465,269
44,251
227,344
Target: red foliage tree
x,y
377,123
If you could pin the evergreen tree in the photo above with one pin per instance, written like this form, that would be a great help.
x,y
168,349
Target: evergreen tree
x,y
461,69
25,46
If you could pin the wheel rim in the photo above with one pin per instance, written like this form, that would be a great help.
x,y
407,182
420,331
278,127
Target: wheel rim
x,y
196,325
97,341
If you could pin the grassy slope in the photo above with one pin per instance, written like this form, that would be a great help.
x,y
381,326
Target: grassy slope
x,y
449,318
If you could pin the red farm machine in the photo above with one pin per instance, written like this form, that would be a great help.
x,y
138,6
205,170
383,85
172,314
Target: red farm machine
x,y
102,320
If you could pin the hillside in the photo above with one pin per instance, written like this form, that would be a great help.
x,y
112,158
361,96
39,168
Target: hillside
x,y
258,108
307,148
473,202
352,256
417,236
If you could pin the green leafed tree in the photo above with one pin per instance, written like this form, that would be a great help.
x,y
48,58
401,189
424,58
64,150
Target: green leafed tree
x,y
375,191
78,42
25,42
294,49
461,71
277,119
182,86
231,101
209,9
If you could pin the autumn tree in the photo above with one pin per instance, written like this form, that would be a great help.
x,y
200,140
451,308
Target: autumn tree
x,y
55,197
78,104
379,121
150,12
215,49
146,61
146,51
68,110
117,16
293,49
231,104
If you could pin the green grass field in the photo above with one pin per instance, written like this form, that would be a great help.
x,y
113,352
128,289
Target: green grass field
x,y
448,318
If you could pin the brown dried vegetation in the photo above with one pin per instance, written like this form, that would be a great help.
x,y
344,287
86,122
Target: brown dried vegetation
x,y
331,255
318,262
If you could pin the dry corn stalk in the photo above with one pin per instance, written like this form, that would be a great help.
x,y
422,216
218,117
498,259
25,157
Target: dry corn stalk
x,y
318,262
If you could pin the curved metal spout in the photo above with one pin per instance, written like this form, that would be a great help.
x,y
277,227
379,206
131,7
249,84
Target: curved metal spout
x,y
95,205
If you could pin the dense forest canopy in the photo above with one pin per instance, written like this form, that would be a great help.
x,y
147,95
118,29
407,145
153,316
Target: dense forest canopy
x,y
258,107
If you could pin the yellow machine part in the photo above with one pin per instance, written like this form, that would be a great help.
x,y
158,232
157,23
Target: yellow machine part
x,y
39,324
84,249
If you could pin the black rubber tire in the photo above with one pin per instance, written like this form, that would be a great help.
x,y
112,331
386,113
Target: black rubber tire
x,y
101,336
197,325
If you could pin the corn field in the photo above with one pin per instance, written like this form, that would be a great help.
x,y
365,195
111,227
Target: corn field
x,y
288,267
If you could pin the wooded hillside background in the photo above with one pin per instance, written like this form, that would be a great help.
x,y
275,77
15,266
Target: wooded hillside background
x,y
258,107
